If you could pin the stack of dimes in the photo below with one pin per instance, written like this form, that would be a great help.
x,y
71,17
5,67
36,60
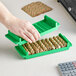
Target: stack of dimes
x,y
39,46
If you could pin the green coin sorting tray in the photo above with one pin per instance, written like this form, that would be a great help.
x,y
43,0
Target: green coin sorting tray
x,y
25,55
44,26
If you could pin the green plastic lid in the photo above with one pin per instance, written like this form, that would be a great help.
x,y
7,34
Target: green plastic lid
x,y
44,26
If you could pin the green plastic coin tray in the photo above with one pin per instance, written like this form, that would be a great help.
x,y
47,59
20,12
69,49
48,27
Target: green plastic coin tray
x,y
20,49
44,26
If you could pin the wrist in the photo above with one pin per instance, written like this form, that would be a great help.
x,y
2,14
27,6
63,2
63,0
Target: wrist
x,y
8,20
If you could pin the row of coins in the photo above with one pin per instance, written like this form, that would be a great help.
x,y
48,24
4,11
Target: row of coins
x,y
45,45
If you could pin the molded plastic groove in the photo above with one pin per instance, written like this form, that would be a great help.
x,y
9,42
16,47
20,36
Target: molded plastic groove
x,y
43,25
36,26
46,25
40,28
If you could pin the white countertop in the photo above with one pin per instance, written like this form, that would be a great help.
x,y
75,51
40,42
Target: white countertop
x,y
11,64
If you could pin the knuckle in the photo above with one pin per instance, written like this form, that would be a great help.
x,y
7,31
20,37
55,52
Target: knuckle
x,y
20,31
33,31
30,35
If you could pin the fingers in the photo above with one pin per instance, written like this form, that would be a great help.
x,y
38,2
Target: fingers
x,y
25,37
29,35
34,32
28,32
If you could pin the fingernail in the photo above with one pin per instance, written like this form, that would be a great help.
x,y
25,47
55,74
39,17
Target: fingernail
x,y
33,40
30,41
36,38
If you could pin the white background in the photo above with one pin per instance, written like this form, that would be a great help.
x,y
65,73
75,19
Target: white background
x,y
11,64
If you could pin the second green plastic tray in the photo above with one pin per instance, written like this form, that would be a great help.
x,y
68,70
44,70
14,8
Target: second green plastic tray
x,y
44,26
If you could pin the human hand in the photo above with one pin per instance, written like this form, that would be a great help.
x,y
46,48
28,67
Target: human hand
x,y
23,29
19,27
